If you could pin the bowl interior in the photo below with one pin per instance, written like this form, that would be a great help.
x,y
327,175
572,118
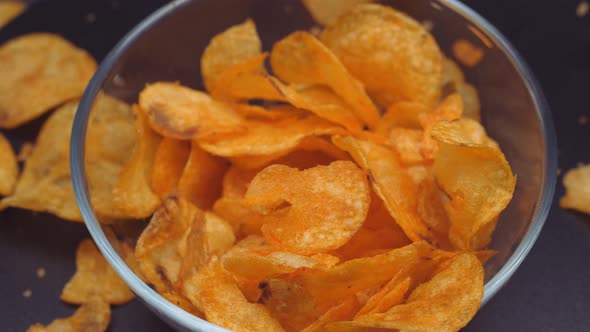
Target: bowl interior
x,y
169,44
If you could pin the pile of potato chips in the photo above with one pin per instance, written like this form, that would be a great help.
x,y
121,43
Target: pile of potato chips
x,y
335,183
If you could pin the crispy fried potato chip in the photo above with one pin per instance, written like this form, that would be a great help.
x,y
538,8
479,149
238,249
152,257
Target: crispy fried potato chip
x,y
577,189
431,201
403,114
302,59
169,163
391,183
132,192
94,278
448,110
183,113
236,44
40,71
476,177
92,316
8,167
340,312
467,53
389,52
408,144
45,184
390,295
9,10
294,220
216,294
445,303
200,182
326,12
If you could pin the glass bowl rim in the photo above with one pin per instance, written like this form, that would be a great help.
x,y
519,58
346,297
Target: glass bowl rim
x,y
182,318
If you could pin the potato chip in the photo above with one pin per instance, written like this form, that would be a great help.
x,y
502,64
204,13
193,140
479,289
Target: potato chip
x,y
92,316
301,58
254,112
214,292
445,303
302,225
200,182
236,44
467,53
45,184
183,113
403,114
169,162
389,52
340,312
326,12
407,143
94,278
390,182
40,71
390,295
477,179
431,202
132,193
577,189
471,104
8,167
330,286
9,10
449,109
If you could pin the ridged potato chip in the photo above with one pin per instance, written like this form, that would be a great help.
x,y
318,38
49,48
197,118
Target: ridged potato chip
x,y
326,12
216,294
39,72
8,167
294,220
389,52
577,189
236,44
9,10
92,316
302,59
94,278
476,177
179,112
391,183
132,192
445,303
169,163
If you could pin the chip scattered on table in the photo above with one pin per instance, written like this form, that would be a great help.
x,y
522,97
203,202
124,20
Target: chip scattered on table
x,y
92,316
577,189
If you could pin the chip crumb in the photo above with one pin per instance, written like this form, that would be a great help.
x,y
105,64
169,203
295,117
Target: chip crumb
x,y
583,120
467,53
25,151
90,18
583,8
41,273
27,293
428,25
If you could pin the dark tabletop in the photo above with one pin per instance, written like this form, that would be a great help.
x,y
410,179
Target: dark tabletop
x,y
549,292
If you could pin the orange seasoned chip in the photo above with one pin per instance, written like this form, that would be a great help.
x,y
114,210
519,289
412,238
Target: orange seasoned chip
x,y
445,303
10,10
295,221
169,162
183,113
39,72
8,167
390,295
391,183
449,109
132,192
467,53
342,311
403,114
216,294
476,177
577,189
407,143
94,278
389,52
200,182
302,59
326,12
92,316
431,201
236,44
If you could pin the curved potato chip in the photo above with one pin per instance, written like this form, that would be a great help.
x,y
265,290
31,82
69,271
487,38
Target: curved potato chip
x,y
340,312
448,110
265,138
445,303
404,114
478,180
214,292
236,44
577,189
432,211
326,12
169,162
9,10
94,278
390,295
200,182
391,183
92,316
40,71
132,193
301,58
408,144
304,226
8,167
389,52
183,113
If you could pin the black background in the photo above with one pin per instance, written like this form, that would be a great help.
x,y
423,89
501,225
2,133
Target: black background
x,y
549,292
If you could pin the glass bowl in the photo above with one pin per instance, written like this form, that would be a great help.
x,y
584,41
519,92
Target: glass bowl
x,y
168,44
